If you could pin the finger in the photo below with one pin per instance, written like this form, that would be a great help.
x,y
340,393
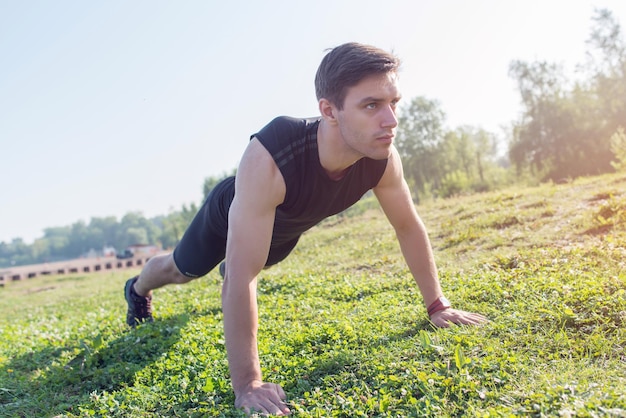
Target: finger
x,y
254,410
281,393
277,408
473,321
279,398
274,408
463,317
440,322
478,317
464,320
257,412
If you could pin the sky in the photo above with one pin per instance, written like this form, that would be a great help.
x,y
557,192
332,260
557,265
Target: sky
x,y
110,107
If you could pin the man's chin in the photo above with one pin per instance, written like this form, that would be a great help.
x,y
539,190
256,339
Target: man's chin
x,y
382,154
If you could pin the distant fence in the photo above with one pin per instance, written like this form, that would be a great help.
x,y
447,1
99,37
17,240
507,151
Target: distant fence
x,y
81,265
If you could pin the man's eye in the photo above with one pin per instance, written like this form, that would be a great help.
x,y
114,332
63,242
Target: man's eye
x,y
371,106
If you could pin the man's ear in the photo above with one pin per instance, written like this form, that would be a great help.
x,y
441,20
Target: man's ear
x,y
328,111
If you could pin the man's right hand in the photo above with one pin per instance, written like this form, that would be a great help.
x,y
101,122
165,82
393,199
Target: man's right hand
x,y
264,398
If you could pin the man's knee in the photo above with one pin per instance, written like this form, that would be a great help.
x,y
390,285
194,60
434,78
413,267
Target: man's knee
x,y
165,263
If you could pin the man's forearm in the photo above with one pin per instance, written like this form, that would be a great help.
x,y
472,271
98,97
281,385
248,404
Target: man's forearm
x,y
418,254
240,330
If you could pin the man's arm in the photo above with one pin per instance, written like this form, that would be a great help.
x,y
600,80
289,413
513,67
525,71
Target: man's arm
x,y
395,198
259,189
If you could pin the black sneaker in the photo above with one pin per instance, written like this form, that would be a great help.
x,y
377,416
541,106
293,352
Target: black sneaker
x,y
139,307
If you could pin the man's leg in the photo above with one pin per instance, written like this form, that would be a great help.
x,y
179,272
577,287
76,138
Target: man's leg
x,y
158,272
200,249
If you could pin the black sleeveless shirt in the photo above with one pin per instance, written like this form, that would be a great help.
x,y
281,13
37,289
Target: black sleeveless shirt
x,y
311,195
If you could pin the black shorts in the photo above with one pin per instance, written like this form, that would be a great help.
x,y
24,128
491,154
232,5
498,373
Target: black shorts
x,y
203,245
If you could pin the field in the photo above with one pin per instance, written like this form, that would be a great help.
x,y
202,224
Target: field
x,y
343,327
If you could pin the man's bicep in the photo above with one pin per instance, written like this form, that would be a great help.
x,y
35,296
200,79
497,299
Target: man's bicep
x,y
249,238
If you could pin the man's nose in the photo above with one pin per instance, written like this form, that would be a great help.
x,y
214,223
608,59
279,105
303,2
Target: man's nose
x,y
390,120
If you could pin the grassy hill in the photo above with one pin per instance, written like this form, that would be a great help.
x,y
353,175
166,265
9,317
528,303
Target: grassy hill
x,y
343,327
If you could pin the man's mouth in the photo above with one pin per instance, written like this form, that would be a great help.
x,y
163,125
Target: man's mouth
x,y
387,139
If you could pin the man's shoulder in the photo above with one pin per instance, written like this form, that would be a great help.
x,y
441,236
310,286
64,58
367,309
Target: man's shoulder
x,y
290,120
285,127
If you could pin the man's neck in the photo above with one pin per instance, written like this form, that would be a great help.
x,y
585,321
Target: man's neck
x,y
335,157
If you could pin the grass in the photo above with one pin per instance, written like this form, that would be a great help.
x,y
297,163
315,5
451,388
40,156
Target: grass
x,y
343,328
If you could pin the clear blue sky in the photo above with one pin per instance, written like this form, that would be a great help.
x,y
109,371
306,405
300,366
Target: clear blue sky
x,y
108,107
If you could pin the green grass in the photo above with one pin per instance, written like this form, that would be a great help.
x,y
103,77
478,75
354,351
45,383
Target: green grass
x,y
343,328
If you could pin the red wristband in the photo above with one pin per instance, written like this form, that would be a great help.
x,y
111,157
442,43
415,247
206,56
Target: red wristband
x,y
438,305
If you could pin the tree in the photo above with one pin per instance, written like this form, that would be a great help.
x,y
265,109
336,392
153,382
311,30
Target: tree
x,y
442,162
420,133
175,224
106,231
559,134
211,182
618,147
136,229
136,235
486,149
15,253
607,56
473,152
607,63
66,242
566,127
58,240
78,239
540,89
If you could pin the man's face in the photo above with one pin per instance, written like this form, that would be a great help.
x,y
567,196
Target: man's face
x,y
368,120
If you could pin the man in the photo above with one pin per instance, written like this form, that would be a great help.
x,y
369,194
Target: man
x,y
293,174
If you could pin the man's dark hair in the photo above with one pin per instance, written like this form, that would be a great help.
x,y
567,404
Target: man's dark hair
x,y
346,65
